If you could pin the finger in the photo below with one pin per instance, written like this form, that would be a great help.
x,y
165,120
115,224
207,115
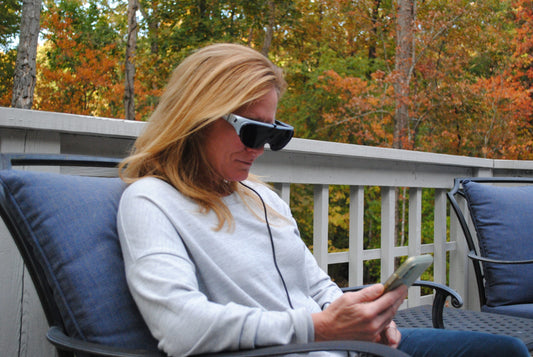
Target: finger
x,y
380,309
389,306
399,293
402,291
395,297
392,335
367,294
386,315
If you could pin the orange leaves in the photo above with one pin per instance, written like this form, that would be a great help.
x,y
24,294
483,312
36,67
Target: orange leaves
x,y
485,118
363,115
78,72
87,86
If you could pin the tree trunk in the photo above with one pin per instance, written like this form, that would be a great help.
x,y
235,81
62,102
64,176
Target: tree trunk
x,y
25,66
375,18
270,27
153,24
403,69
129,89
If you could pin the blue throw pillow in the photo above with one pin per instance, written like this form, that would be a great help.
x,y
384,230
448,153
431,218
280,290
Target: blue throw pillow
x,y
71,221
503,218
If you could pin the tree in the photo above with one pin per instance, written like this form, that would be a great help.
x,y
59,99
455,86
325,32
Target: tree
x,y
25,68
403,70
467,101
9,22
523,55
269,33
9,30
522,70
409,74
131,44
79,68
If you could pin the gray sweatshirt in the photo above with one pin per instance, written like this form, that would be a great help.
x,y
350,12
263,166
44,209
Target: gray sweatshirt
x,y
201,290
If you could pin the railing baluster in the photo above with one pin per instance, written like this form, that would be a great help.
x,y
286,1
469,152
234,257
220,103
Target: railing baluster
x,y
462,277
388,223
415,237
439,237
356,236
284,191
320,225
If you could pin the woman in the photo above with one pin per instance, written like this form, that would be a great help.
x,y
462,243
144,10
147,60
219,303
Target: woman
x,y
213,257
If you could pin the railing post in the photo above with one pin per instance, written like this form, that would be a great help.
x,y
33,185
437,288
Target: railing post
x,y
439,237
320,225
415,237
388,228
284,191
459,264
356,236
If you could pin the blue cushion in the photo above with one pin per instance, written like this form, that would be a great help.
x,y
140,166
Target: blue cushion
x,y
520,310
503,218
71,222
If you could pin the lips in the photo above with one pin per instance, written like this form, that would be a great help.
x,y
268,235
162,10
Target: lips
x,y
247,163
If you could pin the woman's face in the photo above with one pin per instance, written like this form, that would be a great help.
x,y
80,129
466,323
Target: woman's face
x,y
225,151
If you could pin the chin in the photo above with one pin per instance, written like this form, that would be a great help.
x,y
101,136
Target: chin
x,y
238,178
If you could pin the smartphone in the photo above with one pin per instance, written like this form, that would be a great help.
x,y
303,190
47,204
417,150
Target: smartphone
x,y
408,272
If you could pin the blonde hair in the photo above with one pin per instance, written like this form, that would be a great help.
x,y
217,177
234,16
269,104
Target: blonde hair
x,y
213,81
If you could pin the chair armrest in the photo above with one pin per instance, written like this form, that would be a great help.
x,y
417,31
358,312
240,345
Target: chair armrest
x,y
65,343
442,292
474,256
363,347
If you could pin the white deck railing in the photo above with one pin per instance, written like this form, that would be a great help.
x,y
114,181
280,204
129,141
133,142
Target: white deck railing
x,y
318,163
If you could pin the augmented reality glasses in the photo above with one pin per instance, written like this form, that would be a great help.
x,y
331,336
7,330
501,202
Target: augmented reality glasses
x,y
255,134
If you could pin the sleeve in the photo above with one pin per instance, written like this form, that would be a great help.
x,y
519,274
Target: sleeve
x,y
163,283
322,289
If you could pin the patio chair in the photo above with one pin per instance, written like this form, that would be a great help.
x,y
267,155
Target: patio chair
x,y
501,242
64,227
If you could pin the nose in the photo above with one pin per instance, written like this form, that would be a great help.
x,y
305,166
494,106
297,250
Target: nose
x,y
255,152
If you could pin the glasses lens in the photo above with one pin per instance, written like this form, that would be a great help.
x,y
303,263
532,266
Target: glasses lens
x,y
281,139
256,136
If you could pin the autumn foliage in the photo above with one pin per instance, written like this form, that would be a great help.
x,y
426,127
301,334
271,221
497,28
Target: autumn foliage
x,y
75,74
467,92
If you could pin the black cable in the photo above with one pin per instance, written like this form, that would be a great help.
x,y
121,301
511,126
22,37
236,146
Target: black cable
x,y
272,244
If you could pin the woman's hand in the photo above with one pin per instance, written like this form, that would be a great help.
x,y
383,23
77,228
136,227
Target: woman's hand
x,y
363,315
